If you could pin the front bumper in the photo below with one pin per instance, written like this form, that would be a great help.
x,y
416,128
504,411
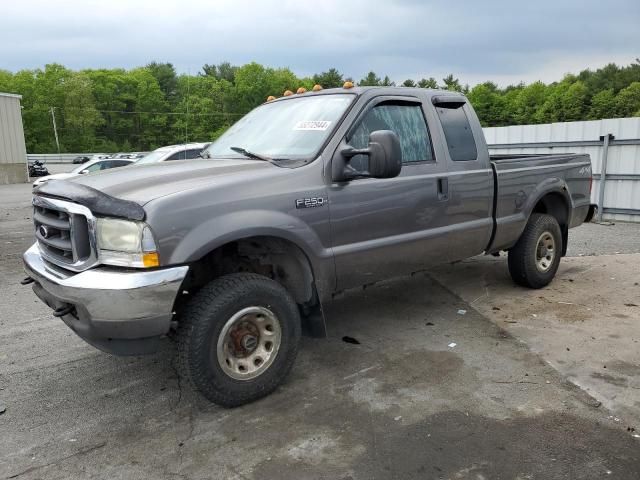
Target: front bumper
x,y
121,312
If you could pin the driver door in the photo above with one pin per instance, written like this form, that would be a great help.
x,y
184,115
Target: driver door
x,y
383,228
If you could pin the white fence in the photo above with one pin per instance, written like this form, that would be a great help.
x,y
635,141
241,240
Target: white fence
x,y
613,144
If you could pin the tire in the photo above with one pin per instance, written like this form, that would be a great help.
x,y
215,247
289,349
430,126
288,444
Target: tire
x,y
529,266
213,333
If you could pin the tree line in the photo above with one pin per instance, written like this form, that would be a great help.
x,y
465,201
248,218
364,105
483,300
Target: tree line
x,y
109,110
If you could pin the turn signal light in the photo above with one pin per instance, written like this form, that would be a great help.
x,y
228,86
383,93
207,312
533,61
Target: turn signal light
x,y
150,259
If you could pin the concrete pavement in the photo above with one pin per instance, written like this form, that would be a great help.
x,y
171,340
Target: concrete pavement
x,y
436,388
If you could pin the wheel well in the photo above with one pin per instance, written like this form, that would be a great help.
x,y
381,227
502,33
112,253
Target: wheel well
x,y
275,258
555,204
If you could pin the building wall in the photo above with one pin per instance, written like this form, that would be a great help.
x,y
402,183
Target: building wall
x,y
13,154
622,184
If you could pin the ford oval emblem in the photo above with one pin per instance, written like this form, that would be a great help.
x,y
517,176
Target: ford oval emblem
x,y
43,231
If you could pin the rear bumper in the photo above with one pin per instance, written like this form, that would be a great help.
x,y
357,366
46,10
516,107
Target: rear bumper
x,y
121,312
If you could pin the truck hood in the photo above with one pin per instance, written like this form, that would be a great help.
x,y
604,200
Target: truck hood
x,y
143,183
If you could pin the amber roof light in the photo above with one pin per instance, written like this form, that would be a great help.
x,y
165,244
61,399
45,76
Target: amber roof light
x,y
287,93
317,88
347,85
301,90
270,97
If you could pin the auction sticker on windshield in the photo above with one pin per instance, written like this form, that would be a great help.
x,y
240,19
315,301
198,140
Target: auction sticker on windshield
x,y
312,125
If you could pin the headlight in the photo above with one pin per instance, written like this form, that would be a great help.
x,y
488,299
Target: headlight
x,y
126,243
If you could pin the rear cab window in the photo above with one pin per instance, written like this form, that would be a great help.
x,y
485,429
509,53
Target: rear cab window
x,y
457,131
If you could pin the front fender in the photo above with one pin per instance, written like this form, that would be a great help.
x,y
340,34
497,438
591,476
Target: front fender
x,y
222,229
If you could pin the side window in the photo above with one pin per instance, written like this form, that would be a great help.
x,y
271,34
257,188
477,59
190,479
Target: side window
x,y
193,153
181,155
457,131
118,163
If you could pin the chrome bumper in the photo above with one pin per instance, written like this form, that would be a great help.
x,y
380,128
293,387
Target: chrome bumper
x,y
114,310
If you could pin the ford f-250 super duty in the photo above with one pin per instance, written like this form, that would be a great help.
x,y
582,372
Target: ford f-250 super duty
x,y
306,196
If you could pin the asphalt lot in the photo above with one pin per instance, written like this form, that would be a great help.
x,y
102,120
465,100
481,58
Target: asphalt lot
x,y
441,385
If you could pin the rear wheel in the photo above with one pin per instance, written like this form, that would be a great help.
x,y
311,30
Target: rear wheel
x,y
535,258
238,338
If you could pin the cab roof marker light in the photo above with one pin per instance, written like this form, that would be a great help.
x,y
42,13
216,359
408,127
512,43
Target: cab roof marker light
x,y
347,85
317,87
270,98
301,90
287,93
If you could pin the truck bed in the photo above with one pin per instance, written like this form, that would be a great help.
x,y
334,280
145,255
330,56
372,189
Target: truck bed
x,y
517,179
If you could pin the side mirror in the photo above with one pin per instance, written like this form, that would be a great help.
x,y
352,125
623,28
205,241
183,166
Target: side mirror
x,y
384,152
84,172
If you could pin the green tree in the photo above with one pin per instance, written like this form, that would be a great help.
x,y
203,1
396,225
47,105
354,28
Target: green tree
x,y
370,80
332,78
428,83
526,102
488,104
628,101
603,105
408,83
452,83
386,82
166,76
567,102
81,118
222,71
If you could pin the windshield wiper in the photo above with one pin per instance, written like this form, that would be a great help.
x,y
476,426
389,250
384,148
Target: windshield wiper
x,y
248,154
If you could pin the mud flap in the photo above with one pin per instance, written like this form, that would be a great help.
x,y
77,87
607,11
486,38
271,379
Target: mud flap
x,y
313,322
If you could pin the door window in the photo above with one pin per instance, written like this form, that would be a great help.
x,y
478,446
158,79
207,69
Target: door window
x,y
193,153
407,121
181,155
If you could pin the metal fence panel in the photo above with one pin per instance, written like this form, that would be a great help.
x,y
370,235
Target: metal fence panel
x,y
622,180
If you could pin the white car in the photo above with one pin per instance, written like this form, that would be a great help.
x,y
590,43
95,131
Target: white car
x,y
185,151
93,165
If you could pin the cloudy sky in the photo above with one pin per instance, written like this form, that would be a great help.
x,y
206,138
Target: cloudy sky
x,y
504,41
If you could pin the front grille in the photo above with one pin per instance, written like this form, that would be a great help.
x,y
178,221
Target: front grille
x,y
64,231
53,232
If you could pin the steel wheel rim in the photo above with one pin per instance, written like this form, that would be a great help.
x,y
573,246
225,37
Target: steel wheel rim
x,y
249,343
545,252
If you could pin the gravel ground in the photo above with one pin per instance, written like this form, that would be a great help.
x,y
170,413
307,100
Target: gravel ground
x,y
604,239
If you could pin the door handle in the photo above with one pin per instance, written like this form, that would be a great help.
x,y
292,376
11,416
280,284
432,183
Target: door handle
x,y
443,188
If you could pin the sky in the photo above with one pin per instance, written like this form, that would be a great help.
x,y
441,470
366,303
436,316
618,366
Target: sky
x,y
498,40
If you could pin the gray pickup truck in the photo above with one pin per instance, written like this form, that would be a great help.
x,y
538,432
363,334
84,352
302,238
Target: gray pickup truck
x,y
306,196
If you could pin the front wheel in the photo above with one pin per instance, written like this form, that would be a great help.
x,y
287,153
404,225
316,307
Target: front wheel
x,y
534,260
238,338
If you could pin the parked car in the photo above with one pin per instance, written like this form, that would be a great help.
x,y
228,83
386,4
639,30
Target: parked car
x,y
306,196
185,151
88,167
81,159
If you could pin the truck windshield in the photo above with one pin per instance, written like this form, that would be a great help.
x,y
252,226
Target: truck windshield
x,y
291,129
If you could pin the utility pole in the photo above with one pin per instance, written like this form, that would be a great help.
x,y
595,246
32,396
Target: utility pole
x,y
55,129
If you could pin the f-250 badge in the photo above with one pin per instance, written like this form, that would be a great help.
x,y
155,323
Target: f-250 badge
x,y
311,202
